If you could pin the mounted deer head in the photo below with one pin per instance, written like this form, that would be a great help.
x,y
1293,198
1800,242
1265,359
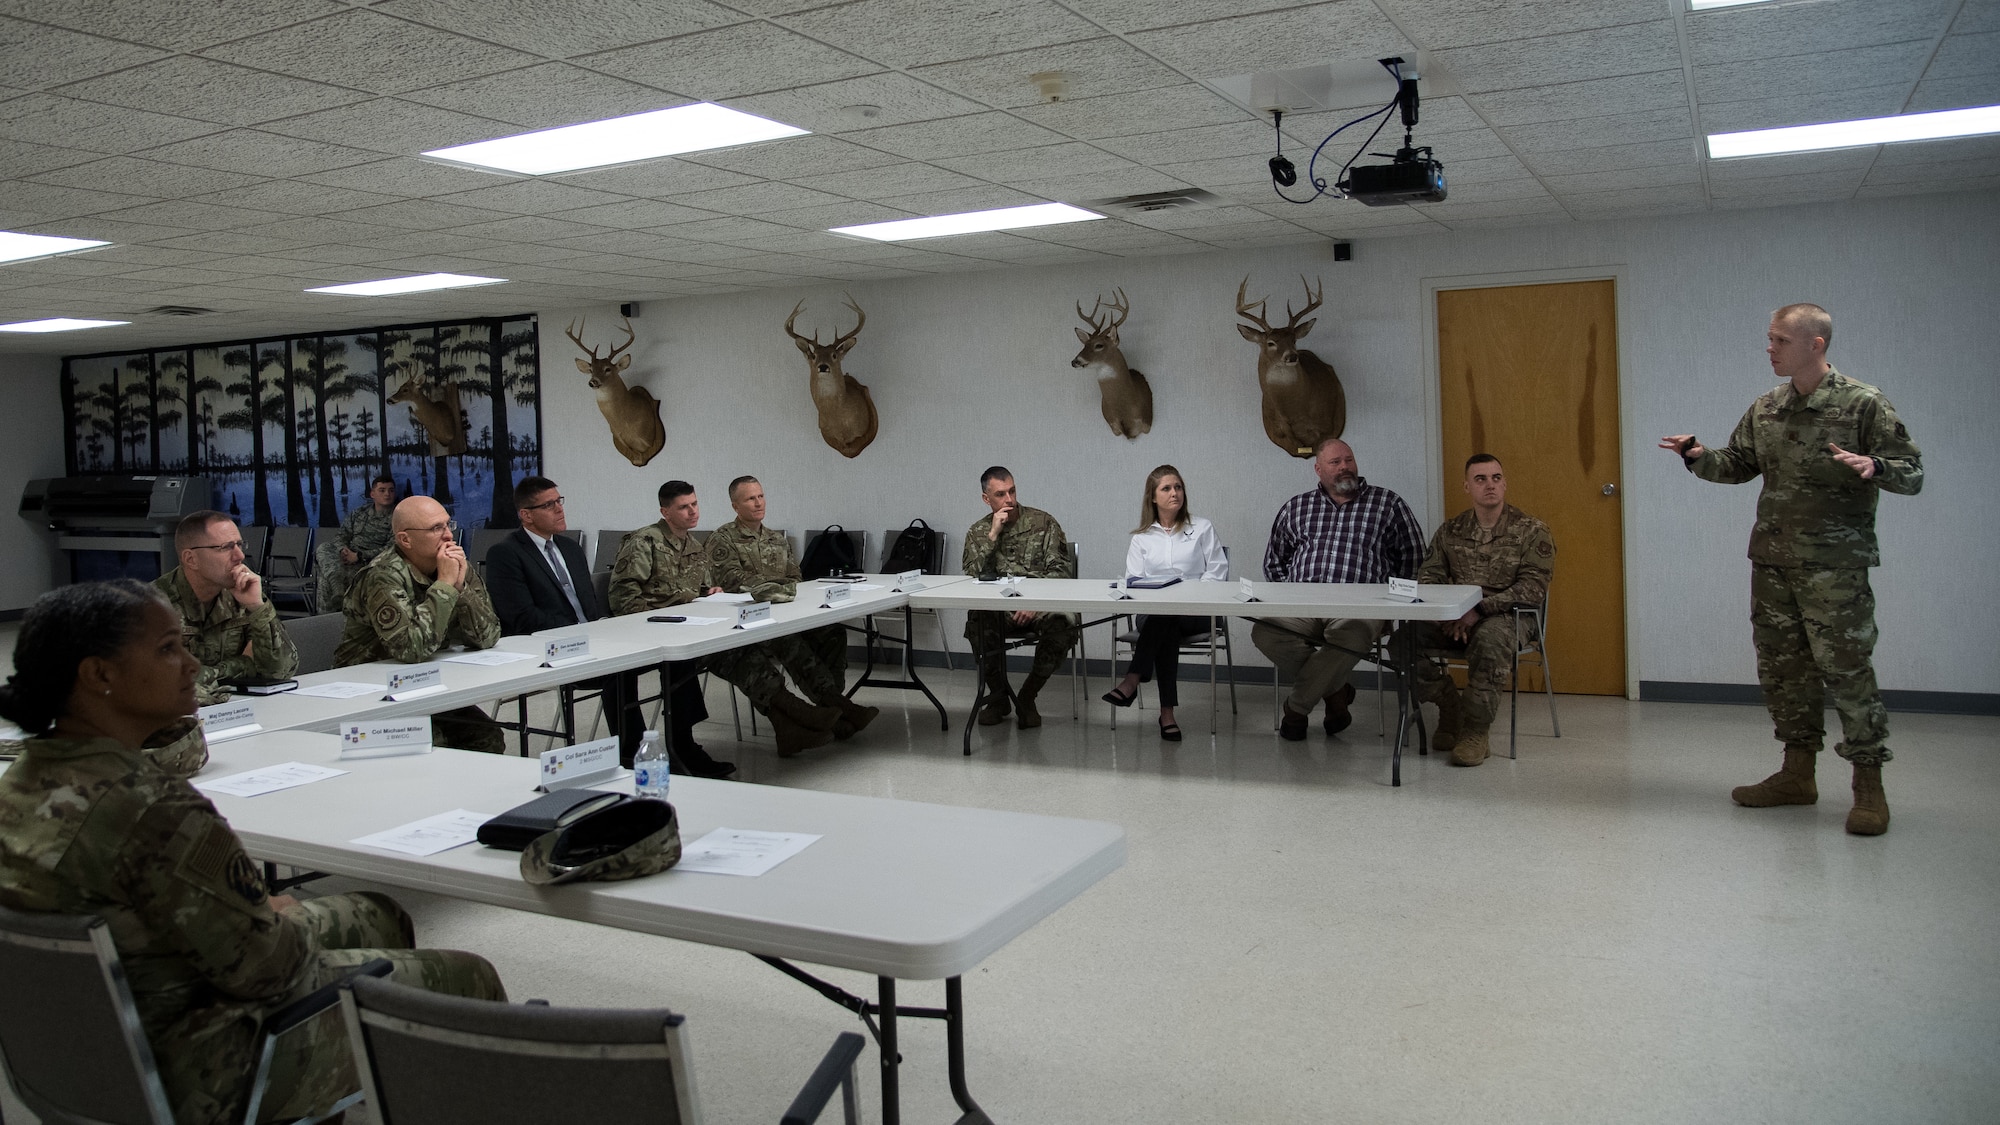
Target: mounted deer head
x,y
1124,396
847,419
440,417
632,412
1303,400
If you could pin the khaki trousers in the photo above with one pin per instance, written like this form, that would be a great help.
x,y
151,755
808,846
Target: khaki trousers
x,y
1316,653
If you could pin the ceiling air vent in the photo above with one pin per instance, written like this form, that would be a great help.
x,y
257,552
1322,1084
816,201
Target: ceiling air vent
x,y
178,310
1180,200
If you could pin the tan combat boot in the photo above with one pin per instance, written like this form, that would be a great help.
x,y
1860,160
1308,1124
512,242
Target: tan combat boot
x,y
1792,785
1024,700
994,670
1870,814
1451,716
799,725
1469,749
853,717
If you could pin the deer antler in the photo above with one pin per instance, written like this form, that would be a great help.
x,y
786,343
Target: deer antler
x,y
1243,307
1090,318
1122,307
1313,301
575,327
792,319
630,337
861,319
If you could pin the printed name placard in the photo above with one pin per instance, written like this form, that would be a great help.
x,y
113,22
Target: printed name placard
x,y
586,763
228,720
413,681
566,650
1247,593
910,581
752,615
835,595
385,738
1118,593
1403,589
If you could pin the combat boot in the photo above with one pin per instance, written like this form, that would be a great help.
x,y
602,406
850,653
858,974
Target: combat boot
x,y
1451,718
1470,748
1792,785
997,707
1870,814
853,717
1025,701
799,725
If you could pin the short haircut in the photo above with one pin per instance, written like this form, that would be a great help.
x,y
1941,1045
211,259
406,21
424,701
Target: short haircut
x,y
529,488
1479,459
1319,446
674,490
195,526
381,478
740,482
61,629
996,472
1814,320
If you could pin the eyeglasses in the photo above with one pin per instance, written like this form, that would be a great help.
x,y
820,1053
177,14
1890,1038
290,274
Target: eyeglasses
x,y
555,503
232,545
441,528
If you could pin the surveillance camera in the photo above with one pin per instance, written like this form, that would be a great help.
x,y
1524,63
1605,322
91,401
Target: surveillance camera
x,y
1282,172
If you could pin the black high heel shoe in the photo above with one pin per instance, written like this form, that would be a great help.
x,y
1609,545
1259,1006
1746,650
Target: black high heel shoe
x,y
1116,700
1170,732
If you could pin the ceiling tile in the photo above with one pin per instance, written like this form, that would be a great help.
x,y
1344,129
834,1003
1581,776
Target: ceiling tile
x,y
527,228
406,177
910,33
1187,106
41,117
1578,56
511,254
1108,234
957,136
894,98
177,27
1561,162
1834,71
545,97
1496,190
1800,31
1437,24
206,90
306,230
420,215
1141,15
1109,184
1820,186
1305,36
154,178
1803,109
1955,93
794,158
1980,184
730,62
755,199
391,125
25,158
1214,174
815,222
636,214
256,153
959,200
1601,97
1849,163
1669,199
377,53
890,179
1962,55
1939,172
235,242
1067,159
1090,68
1623,179
533,197
1447,114
1189,219
52,202
1449,212
726,230
34,56
1601,132
1962,148
562,28
1209,142
194,216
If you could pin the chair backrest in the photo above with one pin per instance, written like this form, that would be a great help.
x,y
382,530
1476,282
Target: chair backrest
x,y
255,540
604,549
572,534
316,638
855,559
69,1031
430,1059
600,581
483,540
700,536
290,552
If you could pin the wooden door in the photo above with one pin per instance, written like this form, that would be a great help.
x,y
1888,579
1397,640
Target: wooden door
x,y
1529,373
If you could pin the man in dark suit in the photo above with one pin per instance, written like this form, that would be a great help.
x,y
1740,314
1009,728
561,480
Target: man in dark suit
x,y
540,580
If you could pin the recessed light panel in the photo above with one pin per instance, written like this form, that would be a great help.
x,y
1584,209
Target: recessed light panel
x,y
423,282
619,140
1709,5
58,324
1856,134
971,222
15,247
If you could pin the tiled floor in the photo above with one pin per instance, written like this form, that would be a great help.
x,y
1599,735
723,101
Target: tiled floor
x,y
1592,933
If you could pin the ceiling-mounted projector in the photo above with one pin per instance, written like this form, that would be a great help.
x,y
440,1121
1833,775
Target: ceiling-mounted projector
x,y
1410,178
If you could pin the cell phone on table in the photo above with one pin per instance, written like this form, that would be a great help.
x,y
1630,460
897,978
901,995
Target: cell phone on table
x,y
671,619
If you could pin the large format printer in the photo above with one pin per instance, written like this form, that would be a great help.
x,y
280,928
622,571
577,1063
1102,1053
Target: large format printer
x,y
114,526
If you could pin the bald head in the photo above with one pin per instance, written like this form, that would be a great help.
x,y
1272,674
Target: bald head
x,y
1339,476
422,528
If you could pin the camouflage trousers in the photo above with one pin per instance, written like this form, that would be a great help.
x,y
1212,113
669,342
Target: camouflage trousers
x,y
207,1074
1489,658
988,631
468,728
1815,637
816,658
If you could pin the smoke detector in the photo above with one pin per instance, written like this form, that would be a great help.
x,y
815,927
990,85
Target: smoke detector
x,y
1050,84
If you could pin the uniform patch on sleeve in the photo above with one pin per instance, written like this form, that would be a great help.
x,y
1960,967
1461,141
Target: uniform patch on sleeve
x,y
217,860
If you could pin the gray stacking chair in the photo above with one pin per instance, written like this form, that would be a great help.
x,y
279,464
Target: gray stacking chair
x,y
316,637
604,549
289,572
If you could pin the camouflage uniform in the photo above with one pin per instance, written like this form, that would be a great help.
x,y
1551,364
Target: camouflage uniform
x,y
367,531
1512,563
396,614
218,633
654,570
1030,546
90,827
761,563
1812,612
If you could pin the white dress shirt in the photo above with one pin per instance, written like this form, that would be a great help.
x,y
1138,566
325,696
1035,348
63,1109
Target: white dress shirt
x,y
1189,552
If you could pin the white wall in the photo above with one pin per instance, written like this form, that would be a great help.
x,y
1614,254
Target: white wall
x,y
973,369
31,403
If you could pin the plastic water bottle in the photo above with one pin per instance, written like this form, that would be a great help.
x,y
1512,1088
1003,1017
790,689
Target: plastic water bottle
x,y
650,773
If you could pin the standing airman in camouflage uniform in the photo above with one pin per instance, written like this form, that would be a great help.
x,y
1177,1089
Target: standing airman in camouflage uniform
x,y
1015,541
413,601
90,825
745,557
365,533
1509,554
1826,446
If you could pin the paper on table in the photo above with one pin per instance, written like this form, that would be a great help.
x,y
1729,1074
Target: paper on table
x,y
738,851
490,657
724,599
431,835
339,689
702,621
269,779
865,586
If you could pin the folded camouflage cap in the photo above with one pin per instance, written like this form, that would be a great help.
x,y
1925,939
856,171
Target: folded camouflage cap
x,y
624,841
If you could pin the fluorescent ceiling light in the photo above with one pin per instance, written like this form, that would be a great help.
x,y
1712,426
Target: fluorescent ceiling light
x,y
1855,134
21,247
1705,5
971,222
423,282
619,140
58,324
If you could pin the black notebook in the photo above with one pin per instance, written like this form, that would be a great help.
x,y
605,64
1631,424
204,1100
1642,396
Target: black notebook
x,y
517,827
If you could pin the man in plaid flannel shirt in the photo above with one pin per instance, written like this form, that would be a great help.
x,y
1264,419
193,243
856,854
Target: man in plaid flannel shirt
x,y
1345,530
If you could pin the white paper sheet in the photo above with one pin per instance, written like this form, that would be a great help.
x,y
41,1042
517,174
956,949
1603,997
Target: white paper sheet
x,y
268,779
431,835
865,586
739,851
491,657
701,621
339,689
724,599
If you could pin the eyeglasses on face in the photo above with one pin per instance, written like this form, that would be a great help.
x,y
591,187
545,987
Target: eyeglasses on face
x,y
555,503
441,528
232,545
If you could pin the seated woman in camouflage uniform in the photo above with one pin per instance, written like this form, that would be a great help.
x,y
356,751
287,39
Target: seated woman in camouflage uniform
x,y
90,825
364,534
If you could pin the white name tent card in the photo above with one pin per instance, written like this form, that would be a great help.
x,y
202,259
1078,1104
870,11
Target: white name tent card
x,y
586,763
753,615
1403,589
491,658
338,689
910,581
431,835
414,681
228,720
835,594
563,651
268,779
1246,593
385,738
738,851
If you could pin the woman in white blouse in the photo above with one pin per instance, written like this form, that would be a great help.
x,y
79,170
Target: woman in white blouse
x,y
1169,543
